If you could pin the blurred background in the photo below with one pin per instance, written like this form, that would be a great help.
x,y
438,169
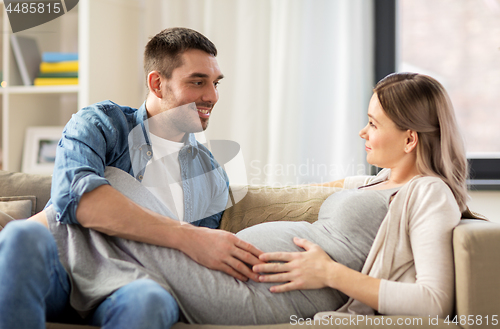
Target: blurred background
x,y
298,76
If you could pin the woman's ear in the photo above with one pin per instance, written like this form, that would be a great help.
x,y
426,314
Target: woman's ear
x,y
411,141
154,83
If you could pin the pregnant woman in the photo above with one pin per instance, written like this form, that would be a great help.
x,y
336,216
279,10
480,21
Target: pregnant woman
x,y
362,255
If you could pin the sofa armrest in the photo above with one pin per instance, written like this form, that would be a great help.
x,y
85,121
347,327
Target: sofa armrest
x,y
476,246
267,204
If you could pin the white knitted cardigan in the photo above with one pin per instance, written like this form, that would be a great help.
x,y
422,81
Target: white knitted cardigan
x,y
412,251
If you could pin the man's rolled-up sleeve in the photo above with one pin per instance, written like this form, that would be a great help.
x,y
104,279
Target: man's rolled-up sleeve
x,y
80,161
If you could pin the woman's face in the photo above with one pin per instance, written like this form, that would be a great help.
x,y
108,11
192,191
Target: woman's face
x,y
385,143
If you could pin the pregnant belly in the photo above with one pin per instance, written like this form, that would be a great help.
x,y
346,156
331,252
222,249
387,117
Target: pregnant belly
x,y
277,236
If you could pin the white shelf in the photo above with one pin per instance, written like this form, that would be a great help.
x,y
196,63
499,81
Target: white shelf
x,y
106,34
41,89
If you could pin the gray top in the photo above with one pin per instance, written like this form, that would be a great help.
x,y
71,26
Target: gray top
x,y
99,264
350,220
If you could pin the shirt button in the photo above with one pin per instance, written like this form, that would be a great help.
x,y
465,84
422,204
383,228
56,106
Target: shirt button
x,y
140,177
58,216
149,153
189,151
140,148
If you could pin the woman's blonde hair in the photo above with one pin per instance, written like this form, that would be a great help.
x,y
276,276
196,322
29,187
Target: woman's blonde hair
x,y
418,102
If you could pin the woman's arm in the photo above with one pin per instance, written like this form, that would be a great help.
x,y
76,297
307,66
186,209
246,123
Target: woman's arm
x,y
335,183
356,181
433,214
314,269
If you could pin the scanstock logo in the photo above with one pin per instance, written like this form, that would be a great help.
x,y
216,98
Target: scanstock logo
x,y
26,14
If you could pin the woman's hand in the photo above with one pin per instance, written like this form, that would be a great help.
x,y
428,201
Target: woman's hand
x,y
301,270
314,269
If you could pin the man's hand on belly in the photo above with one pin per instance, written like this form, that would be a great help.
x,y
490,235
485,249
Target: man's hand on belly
x,y
221,250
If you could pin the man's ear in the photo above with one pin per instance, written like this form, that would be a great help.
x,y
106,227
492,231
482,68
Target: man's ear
x,y
154,83
411,140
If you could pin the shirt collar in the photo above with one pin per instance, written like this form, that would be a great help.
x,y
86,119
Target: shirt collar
x,y
139,135
141,115
191,143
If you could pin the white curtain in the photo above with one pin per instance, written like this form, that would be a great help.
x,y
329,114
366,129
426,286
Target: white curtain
x,y
298,78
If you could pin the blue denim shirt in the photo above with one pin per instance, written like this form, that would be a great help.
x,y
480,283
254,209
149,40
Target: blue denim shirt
x,y
99,135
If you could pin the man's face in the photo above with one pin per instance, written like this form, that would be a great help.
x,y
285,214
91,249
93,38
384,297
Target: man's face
x,y
195,81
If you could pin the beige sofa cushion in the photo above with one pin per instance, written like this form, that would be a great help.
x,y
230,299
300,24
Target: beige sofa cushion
x,y
18,207
4,219
265,204
15,184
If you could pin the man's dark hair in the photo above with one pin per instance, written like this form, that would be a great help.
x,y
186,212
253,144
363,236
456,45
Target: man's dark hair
x,y
163,52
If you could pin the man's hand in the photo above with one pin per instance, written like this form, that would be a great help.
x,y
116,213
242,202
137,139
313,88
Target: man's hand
x,y
221,250
300,270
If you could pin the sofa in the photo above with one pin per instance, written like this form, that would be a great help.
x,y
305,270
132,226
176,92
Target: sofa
x,y
476,246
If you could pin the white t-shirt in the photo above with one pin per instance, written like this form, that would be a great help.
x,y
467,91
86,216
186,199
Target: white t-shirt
x,y
163,174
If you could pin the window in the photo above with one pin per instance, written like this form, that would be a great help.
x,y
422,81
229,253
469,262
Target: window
x,y
458,43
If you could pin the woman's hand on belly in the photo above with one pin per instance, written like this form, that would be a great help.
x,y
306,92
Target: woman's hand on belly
x,y
314,269
309,269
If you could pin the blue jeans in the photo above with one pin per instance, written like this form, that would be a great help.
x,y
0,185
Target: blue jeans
x,y
35,288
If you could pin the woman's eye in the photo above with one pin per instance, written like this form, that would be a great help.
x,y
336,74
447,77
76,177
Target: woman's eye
x,y
371,124
216,84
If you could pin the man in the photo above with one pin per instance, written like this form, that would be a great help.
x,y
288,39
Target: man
x,y
182,78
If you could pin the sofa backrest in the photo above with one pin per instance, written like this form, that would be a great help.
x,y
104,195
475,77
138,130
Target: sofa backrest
x,y
266,204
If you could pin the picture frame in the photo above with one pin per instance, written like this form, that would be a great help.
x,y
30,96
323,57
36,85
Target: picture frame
x,y
40,149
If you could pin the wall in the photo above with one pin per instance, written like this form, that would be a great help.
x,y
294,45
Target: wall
x,y
486,203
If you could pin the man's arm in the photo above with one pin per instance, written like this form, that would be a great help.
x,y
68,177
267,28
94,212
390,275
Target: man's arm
x,y
106,210
94,138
